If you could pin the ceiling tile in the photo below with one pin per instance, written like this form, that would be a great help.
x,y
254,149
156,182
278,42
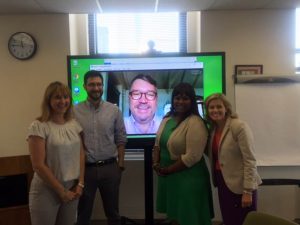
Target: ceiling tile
x,y
19,6
119,6
69,6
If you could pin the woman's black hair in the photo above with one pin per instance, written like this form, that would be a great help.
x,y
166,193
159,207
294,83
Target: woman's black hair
x,y
188,90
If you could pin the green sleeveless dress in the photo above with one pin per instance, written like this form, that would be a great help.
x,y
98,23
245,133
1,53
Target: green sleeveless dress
x,y
184,196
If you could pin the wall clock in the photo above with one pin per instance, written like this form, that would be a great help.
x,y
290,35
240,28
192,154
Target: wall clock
x,y
22,45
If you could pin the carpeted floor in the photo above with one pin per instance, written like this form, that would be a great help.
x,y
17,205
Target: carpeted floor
x,y
141,222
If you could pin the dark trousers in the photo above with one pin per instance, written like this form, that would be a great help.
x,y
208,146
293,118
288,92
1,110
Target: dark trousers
x,y
106,179
230,203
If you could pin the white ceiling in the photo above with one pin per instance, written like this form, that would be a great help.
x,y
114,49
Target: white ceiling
x,y
108,6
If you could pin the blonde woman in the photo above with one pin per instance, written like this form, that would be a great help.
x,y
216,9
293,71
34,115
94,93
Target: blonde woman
x,y
57,158
231,152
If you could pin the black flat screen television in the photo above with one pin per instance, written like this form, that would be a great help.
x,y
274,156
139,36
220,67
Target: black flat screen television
x,y
204,71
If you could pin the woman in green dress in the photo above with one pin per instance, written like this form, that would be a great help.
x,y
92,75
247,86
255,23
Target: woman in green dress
x,y
184,190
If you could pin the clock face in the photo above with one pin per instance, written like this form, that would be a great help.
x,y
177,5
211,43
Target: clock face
x,y
22,45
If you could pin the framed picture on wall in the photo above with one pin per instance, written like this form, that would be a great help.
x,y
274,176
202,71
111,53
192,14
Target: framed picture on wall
x,y
248,69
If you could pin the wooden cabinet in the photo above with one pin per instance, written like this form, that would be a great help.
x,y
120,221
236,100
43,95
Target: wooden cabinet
x,y
10,166
18,215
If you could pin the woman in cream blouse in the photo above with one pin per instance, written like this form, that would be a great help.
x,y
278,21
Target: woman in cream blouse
x,y
57,158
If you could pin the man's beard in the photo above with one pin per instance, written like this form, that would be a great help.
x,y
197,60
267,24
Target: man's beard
x,y
95,97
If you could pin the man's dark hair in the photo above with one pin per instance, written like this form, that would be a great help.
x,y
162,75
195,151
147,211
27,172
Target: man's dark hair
x,y
144,77
92,73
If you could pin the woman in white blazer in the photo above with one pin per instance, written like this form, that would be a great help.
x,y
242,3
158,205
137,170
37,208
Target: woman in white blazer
x,y
231,152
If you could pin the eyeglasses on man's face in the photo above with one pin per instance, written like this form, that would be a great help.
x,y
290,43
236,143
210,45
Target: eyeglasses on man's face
x,y
149,95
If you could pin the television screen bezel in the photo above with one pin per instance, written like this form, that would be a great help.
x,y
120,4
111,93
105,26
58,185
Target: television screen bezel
x,y
144,141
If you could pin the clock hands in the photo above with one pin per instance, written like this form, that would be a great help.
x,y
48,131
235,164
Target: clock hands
x,y
22,45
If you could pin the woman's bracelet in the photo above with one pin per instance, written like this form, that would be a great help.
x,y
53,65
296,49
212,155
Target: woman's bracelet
x,y
80,184
155,165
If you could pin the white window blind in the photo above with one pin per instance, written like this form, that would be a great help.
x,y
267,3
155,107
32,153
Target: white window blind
x,y
130,32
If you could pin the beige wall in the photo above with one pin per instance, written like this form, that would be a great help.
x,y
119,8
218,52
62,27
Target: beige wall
x,y
79,34
23,82
194,32
264,37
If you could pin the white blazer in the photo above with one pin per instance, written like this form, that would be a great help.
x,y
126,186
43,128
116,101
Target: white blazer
x,y
236,156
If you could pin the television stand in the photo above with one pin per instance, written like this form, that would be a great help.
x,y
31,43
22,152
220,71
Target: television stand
x,y
146,144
